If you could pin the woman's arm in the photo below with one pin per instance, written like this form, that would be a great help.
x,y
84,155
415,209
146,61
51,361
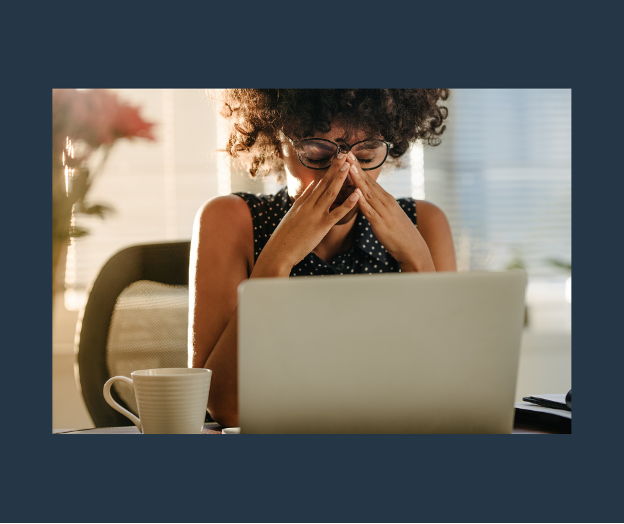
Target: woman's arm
x,y
222,237
221,258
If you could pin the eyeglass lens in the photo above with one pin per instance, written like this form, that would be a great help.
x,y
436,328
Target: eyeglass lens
x,y
319,154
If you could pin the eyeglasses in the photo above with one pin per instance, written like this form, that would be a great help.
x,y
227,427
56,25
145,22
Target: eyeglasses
x,y
319,153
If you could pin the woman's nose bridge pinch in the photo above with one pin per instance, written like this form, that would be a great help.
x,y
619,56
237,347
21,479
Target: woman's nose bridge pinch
x,y
343,149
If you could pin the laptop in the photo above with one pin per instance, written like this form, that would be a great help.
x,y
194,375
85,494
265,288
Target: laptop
x,y
391,353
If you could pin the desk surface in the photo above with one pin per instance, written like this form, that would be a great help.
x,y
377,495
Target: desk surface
x,y
209,429
521,427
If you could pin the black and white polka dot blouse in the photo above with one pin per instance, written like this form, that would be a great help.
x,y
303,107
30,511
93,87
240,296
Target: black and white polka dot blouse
x,y
367,255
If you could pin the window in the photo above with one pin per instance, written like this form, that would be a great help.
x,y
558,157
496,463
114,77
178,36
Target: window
x,y
155,188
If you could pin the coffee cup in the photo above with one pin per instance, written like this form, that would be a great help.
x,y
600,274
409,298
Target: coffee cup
x,y
169,400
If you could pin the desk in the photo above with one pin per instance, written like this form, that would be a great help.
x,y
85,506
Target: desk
x,y
211,428
521,427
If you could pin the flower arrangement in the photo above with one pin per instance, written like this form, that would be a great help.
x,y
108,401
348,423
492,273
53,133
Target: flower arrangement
x,y
83,122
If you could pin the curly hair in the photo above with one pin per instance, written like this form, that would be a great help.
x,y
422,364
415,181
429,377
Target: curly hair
x,y
400,116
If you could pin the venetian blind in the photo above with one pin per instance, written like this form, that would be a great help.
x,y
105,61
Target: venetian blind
x,y
503,176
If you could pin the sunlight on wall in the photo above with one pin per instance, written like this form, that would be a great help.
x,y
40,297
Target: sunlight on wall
x,y
417,161
224,181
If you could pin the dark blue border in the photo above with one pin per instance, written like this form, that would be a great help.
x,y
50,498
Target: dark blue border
x,y
330,478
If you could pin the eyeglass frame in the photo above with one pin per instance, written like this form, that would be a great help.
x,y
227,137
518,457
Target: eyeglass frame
x,y
340,149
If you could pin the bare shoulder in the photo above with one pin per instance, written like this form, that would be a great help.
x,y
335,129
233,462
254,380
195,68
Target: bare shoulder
x,y
229,212
225,216
436,232
427,214
226,222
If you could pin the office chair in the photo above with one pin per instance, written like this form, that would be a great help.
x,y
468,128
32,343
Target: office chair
x,y
136,317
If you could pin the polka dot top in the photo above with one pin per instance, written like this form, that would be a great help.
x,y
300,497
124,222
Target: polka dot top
x,y
367,255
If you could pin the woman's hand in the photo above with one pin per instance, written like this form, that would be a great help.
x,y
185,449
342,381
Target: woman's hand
x,y
390,224
306,223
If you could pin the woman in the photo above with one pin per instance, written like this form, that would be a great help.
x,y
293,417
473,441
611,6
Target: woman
x,y
331,218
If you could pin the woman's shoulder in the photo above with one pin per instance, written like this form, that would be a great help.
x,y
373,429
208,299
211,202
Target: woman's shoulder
x,y
422,211
430,216
224,207
227,217
223,230
238,210
428,209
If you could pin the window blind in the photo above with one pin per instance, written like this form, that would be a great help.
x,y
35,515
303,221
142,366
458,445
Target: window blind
x,y
503,177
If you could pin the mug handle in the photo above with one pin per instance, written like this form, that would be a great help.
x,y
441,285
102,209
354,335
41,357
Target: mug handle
x,y
111,402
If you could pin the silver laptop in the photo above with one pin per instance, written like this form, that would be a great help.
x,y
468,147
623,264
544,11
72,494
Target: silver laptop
x,y
393,353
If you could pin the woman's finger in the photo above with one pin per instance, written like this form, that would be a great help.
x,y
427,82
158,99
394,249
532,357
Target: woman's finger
x,y
365,189
329,176
368,210
332,190
342,210
376,194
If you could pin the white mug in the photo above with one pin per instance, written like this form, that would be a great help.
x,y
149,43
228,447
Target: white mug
x,y
169,400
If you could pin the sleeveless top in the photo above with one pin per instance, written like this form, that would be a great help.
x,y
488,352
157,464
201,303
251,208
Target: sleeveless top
x,y
367,255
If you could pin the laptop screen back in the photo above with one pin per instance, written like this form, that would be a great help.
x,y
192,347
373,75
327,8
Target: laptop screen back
x,y
400,353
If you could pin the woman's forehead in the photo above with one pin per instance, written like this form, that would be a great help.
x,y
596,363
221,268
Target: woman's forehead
x,y
338,134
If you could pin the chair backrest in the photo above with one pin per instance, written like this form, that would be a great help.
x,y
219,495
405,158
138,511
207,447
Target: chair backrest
x,y
136,317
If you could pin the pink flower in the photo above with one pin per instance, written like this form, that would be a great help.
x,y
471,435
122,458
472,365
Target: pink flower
x,y
95,116
128,123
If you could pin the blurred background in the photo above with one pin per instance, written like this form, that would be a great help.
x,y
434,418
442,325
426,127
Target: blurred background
x,y
502,175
